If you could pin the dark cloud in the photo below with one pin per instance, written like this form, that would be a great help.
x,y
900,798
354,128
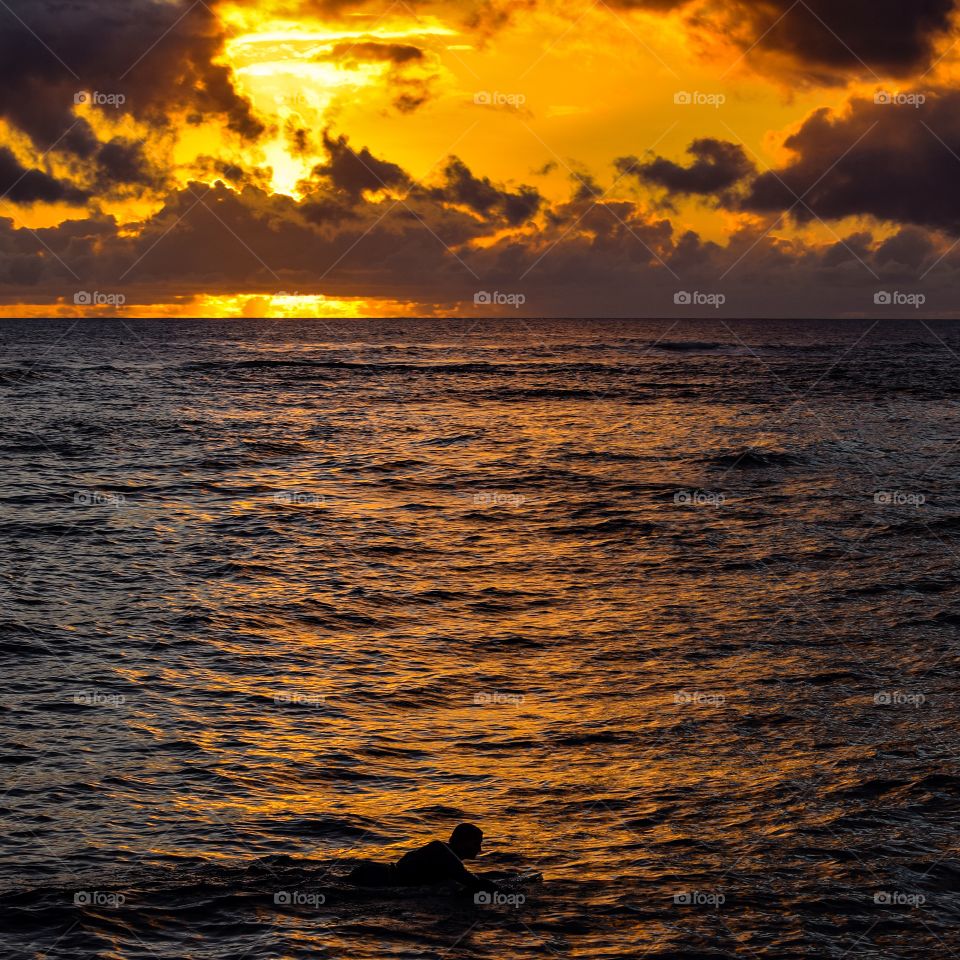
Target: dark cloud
x,y
484,17
322,210
619,261
717,167
890,162
411,88
483,197
216,238
371,51
911,248
357,172
22,185
299,141
122,162
821,37
411,93
854,247
158,55
232,171
586,186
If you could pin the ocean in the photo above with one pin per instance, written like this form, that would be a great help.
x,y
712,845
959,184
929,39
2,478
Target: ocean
x,y
669,609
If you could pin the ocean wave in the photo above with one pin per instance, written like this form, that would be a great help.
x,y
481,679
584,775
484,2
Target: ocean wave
x,y
752,458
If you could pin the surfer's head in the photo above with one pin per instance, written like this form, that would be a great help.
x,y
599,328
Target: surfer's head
x,y
466,840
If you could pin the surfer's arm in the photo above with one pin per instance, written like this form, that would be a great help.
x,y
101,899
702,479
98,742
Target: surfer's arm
x,y
453,868
475,882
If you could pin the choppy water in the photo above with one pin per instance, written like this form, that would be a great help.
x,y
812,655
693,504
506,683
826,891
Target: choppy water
x,y
671,611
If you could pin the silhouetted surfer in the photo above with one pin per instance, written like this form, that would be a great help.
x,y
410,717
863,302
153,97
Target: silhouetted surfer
x,y
435,864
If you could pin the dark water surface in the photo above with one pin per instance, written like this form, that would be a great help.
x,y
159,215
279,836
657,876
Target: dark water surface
x,y
671,611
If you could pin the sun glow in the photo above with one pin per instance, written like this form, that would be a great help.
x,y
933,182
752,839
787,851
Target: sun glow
x,y
297,78
279,306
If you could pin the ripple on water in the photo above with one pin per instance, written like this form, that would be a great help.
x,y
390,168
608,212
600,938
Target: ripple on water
x,y
355,594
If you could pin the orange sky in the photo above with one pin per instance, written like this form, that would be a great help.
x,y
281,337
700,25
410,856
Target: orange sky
x,y
335,123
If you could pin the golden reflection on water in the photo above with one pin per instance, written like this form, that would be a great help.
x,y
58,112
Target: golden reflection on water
x,y
353,605
416,710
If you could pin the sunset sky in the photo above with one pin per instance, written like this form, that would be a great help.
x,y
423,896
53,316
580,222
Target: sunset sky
x,y
515,157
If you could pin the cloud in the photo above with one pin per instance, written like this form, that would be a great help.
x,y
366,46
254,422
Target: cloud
x,y
872,159
717,166
361,226
406,77
609,258
21,185
484,18
355,172
370,51
612,258
122,162
889,162
480,195
157,54
819,38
